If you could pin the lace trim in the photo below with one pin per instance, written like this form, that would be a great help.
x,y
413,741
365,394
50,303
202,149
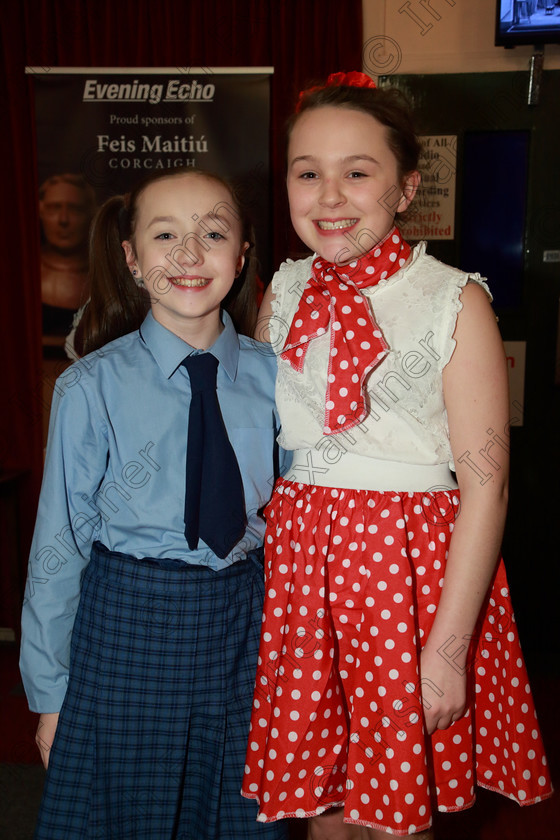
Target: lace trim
x,y
456,306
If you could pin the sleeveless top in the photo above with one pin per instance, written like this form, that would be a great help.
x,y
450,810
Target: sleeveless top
x,y
416,309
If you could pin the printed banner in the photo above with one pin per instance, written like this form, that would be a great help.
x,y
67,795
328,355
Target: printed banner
x,y
432,214
101,130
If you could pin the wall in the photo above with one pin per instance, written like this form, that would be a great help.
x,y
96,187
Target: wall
x,y
439,36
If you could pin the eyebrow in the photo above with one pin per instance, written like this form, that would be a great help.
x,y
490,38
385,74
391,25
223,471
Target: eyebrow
x,y
208,217
157,219
349,159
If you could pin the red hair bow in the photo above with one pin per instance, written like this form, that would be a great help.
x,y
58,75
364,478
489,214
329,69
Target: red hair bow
x,y
352,79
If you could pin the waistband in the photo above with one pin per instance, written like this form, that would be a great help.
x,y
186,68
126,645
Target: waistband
x,y
358,472
167,573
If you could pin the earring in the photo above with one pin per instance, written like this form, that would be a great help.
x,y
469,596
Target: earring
x,y
137,279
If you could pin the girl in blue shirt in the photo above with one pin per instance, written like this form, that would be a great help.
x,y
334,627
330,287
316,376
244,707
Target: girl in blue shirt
x,y
139,647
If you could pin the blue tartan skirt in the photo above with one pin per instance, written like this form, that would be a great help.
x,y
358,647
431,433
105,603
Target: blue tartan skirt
x,y
151,738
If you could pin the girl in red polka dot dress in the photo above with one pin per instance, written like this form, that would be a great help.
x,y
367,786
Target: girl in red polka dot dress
x,y
390,679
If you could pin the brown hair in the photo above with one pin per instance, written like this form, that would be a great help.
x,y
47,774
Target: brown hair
x,y
117,305
389,106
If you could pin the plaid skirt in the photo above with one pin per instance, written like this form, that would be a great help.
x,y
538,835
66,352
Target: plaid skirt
x,y
151,738
353,583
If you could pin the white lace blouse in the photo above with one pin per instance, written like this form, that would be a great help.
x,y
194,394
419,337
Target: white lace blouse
x,y
416,308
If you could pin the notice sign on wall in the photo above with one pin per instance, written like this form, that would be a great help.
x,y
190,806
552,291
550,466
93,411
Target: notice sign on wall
x,y
432,214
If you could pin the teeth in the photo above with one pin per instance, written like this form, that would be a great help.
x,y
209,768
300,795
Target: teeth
x,y
190,283
338,225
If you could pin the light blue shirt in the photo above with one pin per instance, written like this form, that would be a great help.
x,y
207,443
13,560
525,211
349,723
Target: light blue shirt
x,y
115,472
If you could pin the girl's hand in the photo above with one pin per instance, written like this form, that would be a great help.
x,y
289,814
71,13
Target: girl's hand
x,y
44,736
443,690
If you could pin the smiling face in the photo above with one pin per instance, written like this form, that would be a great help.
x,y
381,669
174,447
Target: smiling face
x,y
344,186
187,247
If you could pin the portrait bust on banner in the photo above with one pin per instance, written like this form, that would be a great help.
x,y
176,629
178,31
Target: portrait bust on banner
x,y
66,208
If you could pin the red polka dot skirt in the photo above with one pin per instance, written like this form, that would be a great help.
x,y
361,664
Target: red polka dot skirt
x,y
354,578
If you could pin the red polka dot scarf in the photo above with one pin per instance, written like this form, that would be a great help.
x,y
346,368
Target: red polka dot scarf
x,y
332,297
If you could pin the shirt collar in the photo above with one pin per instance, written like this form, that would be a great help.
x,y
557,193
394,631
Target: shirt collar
x,y
169,350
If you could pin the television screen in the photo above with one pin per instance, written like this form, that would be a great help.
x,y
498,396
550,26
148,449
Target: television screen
x,y
527,22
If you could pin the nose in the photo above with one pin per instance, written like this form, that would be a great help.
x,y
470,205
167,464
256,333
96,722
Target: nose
x,y
63,215
196,250
190,252
331,193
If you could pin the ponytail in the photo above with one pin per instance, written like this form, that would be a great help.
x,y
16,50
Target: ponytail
x,y
116,305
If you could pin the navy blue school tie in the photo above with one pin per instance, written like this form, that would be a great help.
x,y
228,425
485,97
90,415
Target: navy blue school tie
x,y
214,502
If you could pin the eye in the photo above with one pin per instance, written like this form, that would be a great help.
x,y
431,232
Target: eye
x,y
214,236
164,236
356,174
307,176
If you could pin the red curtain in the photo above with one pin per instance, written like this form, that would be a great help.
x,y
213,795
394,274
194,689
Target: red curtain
x,y
303,41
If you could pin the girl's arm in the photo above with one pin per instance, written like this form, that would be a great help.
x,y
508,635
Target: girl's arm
x,y
66,526
475,390
262,332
